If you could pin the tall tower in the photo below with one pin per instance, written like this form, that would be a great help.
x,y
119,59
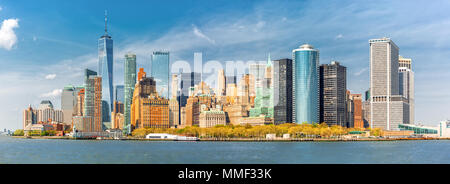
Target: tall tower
x,y
333,86
306,84
388,108
160,72
406,82
129,83
221,83
282,86
105,70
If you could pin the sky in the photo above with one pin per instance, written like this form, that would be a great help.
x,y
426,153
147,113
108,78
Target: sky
x,y
45,45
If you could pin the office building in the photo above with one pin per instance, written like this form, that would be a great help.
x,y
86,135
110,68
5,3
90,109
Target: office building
x,y
188,80
129,83
69,102
388,107
333,87
406,83
212,118
148,109
119,93
306,84
105,71
174,87
160,71
221,83
282,85
93,102
358,121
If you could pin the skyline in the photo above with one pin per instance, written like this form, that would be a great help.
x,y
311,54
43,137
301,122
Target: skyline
x,y
183,39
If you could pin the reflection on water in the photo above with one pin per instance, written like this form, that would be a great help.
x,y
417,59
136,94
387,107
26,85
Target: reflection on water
x,y
14,150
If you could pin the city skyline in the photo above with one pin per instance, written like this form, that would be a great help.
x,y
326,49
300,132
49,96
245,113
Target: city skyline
x,y
55,81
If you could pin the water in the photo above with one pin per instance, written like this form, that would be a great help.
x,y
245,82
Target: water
x,y
14,150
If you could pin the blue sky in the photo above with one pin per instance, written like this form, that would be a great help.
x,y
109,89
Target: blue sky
x,y
45,45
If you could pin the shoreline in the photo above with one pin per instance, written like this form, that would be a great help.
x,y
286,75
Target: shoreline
x,y
239,139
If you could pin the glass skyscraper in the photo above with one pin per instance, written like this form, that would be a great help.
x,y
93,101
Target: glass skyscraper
x,y
119,93
105,70
129,83
306,84
160,72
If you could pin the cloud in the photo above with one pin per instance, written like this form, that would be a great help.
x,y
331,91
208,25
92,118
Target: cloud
x,y
199,33
339,36
54,93
358,73
8,37
50,76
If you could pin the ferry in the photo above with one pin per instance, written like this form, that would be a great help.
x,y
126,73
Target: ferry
x,y
163,136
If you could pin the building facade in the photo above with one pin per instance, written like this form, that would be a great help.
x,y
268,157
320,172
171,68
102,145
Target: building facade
x,y
105,71
93,102
306,84
212,118
406,83
333,87
129,83
283,91
388,107
160,71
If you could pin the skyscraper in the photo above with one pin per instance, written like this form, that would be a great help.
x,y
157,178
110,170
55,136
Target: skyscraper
x,y
105,70
388,108
93,102
306,84
221,88
68,102
174,87
406,83
188,80
333,86
160,72
129,82
119,93
282,84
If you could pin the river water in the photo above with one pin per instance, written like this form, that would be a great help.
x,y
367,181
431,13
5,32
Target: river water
x,y
16,150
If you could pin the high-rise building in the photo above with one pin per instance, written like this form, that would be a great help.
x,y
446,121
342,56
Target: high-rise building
x,y
129,83
174,113
80,103
105,71
333,87
29,117
148,109
119,93
263,101
388,108
160,71
69,102
230,79
188,80
282,84
117,118
350,110
306,84
221,81
243,90
358,121
406,83
174,87
46,112
93,102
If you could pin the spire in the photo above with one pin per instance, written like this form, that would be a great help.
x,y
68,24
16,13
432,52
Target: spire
x,y
269,61
106,22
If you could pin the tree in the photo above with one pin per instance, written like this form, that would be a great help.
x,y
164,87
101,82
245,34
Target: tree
x,y
18,132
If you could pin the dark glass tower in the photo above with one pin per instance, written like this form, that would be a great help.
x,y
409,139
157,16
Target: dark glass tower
x,y
333,88
105,70
282,83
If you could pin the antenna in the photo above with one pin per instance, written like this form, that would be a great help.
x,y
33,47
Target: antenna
x,y
106,21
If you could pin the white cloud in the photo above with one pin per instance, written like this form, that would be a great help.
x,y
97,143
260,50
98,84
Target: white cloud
x,y
1,8
54,93
50,76
361,71
198,33
8,37
339,36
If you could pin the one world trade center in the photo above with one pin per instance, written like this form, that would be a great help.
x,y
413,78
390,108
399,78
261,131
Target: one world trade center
x,y
105,70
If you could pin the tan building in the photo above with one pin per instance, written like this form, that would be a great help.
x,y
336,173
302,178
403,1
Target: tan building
x,y
221,83
212,118
357,111
117,117
148,110
256,121
174,118
235,113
